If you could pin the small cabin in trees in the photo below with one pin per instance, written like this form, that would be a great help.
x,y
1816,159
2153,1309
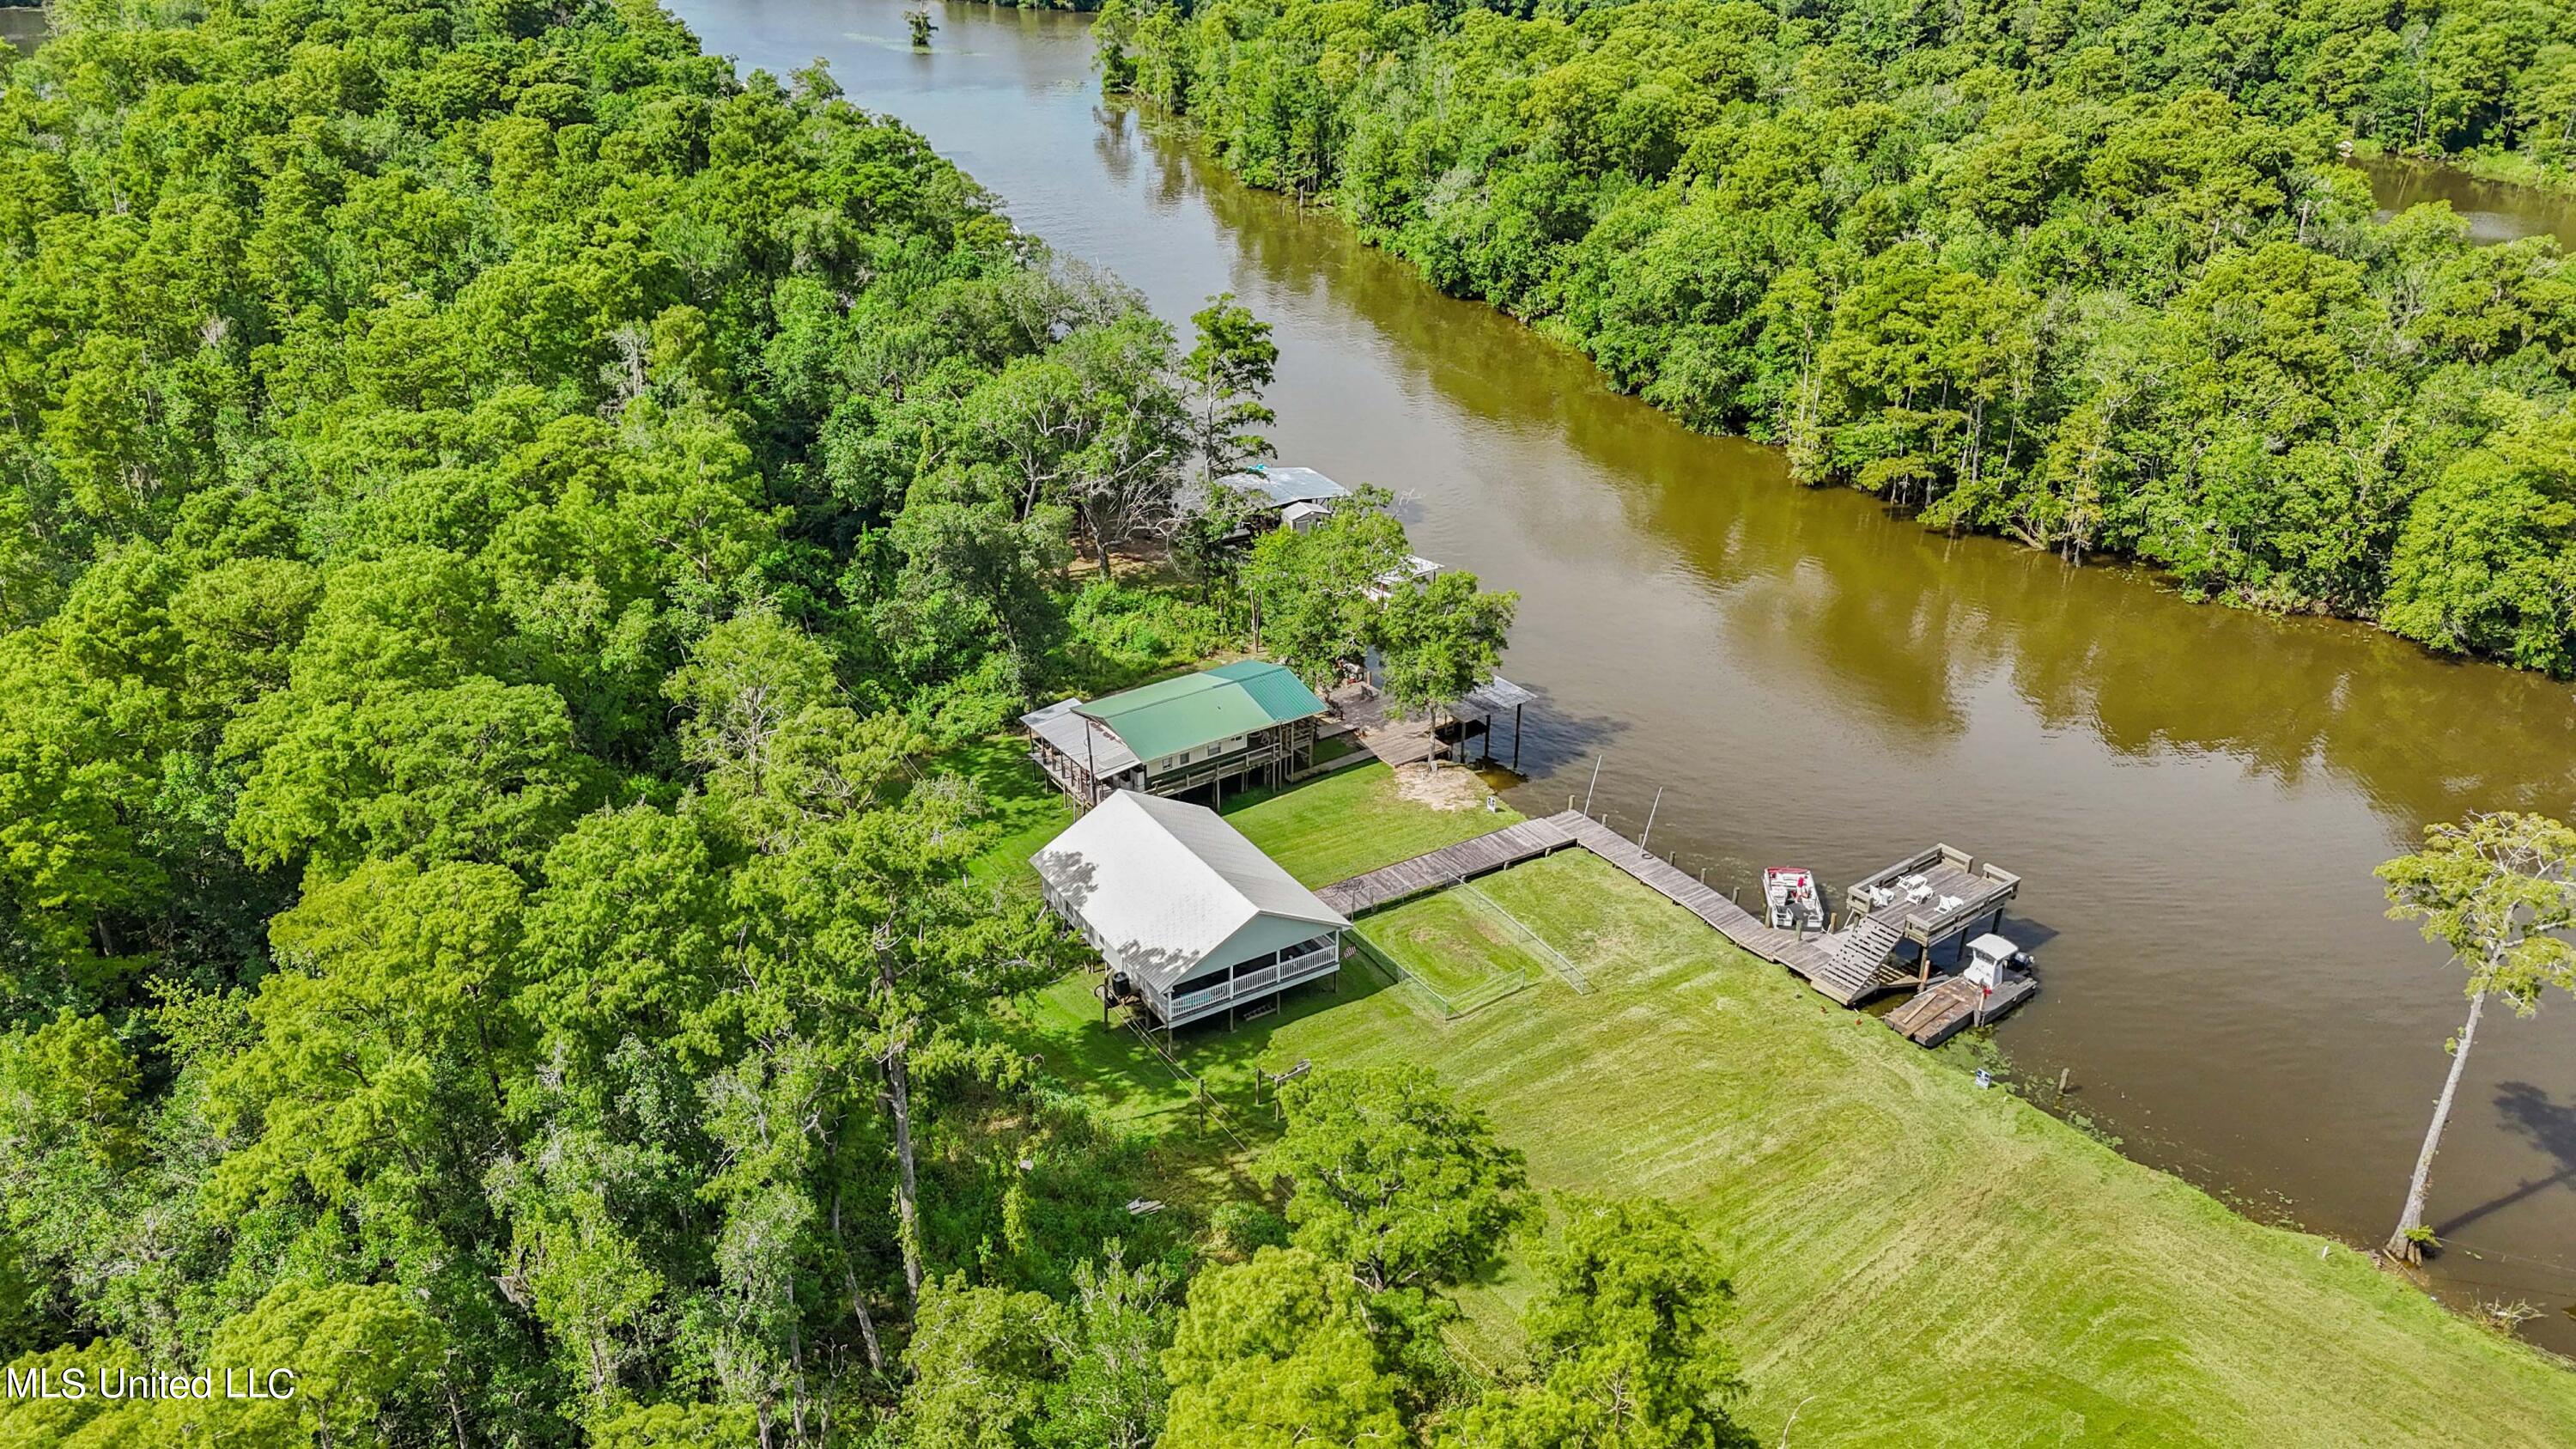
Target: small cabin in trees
x,y
1250,720
1190,918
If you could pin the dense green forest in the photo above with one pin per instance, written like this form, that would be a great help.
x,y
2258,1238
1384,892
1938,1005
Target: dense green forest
x,y
516,543
2085,274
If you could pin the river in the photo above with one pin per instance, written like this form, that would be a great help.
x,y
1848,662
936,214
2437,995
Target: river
x,y
2195,795
2496,211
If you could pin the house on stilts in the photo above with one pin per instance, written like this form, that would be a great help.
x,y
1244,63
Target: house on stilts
x,y
1190,918
1248,723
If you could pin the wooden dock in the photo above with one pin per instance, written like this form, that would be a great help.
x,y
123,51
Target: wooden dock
x,y
1446,866
1846,966
1947,1006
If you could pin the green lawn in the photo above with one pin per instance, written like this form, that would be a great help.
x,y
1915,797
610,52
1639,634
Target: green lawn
x,y
1351,822
1917,1261
1462,950
1026,806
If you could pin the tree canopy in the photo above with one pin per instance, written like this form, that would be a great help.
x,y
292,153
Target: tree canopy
x,y
2090,277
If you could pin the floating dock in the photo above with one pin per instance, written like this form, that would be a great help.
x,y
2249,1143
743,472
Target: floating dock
x,y
1952,1004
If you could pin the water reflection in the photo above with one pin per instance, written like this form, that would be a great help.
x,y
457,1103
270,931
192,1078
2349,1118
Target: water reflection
x,y
2495,211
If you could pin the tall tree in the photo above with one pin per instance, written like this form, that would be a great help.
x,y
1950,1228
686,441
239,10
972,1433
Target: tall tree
x,y
1225,372
1394,1178
2500,891
1627,1340
1439,638
1278,1352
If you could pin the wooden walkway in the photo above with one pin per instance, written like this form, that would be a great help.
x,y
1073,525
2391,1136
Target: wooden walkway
x,y
1842,966
1446,866
1845,967
1394,741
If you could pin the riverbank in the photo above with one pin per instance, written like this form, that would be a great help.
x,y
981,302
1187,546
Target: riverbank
x,y
2512,168
1917,1261
1909,335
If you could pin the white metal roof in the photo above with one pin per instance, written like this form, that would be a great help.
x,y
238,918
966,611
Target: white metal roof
x,y
1100,752
1162,883
1990,944
1283,486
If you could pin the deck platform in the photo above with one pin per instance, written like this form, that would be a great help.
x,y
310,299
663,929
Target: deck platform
x,y
1948,1006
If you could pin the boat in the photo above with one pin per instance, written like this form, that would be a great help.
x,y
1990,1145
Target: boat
x,y
1795,901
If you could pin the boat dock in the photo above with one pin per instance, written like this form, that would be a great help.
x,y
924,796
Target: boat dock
x,y
1947,1006
1931,898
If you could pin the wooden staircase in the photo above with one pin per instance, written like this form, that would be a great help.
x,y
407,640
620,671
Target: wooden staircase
x,y
1855,969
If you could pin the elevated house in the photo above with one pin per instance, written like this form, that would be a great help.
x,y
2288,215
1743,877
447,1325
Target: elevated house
x,y
1190,918
1247,720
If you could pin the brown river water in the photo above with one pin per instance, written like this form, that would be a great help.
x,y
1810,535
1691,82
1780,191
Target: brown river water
x,y
2195,795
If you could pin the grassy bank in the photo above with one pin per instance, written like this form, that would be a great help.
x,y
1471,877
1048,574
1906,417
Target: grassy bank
x,y
1918,1261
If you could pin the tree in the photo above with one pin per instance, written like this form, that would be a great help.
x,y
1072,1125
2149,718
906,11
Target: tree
x,y
1095,424
1626,1341
1310,589
1276,1353
1224,373
1111,1393
2499,890
1439,638
995,1369
352,1346
1392,1177
981,1361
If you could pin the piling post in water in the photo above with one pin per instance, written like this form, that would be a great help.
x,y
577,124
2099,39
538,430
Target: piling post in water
x,y
1588,789
1650,818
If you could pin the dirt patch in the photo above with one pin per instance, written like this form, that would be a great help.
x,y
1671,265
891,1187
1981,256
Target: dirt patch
x,y
1451,787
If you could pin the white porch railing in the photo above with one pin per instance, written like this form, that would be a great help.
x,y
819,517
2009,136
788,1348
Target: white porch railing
x,y
1193,1005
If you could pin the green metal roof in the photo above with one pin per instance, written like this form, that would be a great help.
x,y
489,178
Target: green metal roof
x,y
1214,704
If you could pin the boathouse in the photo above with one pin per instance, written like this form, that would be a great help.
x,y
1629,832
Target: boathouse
x,y
1292,498
1249,720
1190,918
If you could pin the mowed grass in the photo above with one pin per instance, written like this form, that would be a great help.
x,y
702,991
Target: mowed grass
x,y
1463,951
1917,1262
1351,822
1022,805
